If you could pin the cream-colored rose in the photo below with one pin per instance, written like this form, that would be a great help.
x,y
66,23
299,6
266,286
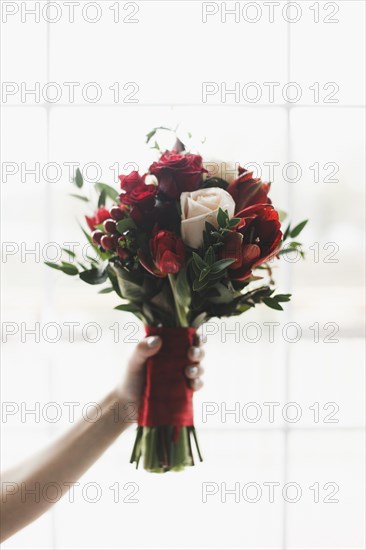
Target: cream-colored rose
x,y
200,207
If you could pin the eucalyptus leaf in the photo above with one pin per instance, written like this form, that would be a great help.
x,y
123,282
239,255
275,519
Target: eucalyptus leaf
x,y
297,230
78,179
108,190
107,290
132,308
271,302
102,199
80,197
69,252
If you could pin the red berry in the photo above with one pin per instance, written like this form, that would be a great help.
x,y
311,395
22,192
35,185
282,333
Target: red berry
x,y
107,242
110,226
96,236
122,253
115,239
116,213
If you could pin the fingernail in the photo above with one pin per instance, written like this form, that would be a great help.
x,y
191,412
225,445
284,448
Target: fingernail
x,y
192,370
196,353
152,341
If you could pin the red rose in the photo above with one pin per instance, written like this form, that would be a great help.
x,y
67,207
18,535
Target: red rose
x,y
132,180
167,252
136,190
247,190
256,241
99,217
177,173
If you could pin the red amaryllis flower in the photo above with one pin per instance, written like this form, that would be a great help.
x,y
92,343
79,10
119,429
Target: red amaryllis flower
x,y
247,190
256,241
136,191
99,217
167,252
177,173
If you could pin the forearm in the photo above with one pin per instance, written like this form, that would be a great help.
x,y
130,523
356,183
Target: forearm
x,y
61,464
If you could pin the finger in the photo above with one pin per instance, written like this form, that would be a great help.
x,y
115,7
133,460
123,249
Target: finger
x,y
199,339
196,384
193,371
196,354
147,348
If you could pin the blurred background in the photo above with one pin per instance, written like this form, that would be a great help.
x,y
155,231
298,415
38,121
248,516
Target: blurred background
x,y
174,64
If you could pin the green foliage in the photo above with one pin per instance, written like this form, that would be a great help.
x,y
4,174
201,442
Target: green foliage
x,y
108,191
125,224
294,232
78,179
102,199
95,275
80,197
214,182
65,267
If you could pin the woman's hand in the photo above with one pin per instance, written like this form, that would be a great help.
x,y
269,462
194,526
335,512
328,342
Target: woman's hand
x,y
132,386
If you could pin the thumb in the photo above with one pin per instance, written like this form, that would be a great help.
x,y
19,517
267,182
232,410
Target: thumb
x,y
146,348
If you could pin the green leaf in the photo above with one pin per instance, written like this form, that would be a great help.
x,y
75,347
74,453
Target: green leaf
x,y
271,302
109,191
221,265
287,232
282,297
215,182
293,244
100,226
69,269
150,135
209,227
65,267
297,230
204,274
54,266
198,261
101,254
183,288
106,290
80,197
234,221
132,308
210,256
130,290
199,285
199,320
222,218
69,252
125,224
102,198
78,179
94,276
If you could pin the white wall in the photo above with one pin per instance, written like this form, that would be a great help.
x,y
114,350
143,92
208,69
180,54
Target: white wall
x,y
169,53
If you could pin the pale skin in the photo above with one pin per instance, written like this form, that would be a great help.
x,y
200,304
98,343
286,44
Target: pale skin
x,y
70,456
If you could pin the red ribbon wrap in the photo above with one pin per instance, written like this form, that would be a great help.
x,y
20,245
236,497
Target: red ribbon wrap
x,y
167,397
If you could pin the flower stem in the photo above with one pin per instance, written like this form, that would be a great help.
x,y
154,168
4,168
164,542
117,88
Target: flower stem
x,y
181,314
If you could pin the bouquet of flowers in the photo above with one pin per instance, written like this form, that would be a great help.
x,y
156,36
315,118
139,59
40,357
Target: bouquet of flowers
x,y
180,246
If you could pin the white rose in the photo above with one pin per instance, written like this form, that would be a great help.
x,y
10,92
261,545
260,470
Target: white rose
x,y
200,207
